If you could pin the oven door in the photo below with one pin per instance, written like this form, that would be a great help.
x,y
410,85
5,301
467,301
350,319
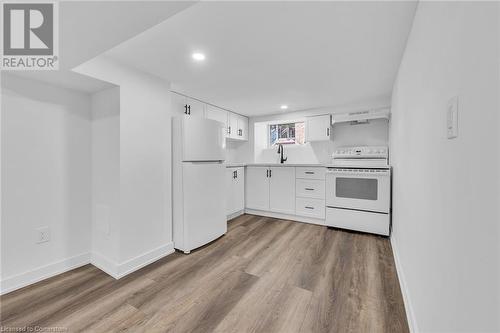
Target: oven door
x,y
361,189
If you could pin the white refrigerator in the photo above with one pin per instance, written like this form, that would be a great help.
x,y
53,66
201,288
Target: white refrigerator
x,y
198,153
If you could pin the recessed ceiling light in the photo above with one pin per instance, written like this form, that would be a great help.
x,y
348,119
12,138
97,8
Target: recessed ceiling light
x,y
198,56
284,107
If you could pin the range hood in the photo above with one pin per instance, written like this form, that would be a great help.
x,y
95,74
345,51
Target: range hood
x,y
360,117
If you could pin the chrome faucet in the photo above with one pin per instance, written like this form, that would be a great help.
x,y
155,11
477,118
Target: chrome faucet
x,y
281,150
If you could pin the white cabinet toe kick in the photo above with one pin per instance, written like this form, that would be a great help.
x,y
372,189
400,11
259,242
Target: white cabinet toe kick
x,y
289,217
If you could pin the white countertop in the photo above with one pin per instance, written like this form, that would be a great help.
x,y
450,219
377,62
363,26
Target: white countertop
x,y
308,165
237,165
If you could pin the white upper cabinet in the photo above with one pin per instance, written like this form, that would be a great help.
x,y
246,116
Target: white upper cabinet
x,y
187,105
318,128
232,129
242,128
215,113
195,108
237,127
179,103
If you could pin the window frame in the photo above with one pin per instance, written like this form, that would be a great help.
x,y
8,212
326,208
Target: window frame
x,y
285,122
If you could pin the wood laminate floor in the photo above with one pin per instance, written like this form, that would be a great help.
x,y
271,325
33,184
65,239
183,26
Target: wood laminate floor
x,y
264,275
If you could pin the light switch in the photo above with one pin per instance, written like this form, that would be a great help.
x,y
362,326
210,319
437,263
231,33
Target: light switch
x,y
452,118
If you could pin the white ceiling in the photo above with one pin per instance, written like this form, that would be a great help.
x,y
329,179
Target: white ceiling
x,y
264,54
88,28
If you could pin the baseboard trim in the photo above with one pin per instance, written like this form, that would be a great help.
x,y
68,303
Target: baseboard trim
x,y
105,264
44,272
234,215
282,216
410,314
144,259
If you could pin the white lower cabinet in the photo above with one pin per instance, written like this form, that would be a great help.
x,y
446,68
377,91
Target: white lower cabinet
x,y
235,190
310,200
282,190
295,193
271,189
257,188
310,207
310,188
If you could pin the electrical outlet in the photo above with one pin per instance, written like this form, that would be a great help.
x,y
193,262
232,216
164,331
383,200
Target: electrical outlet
x,y
43,235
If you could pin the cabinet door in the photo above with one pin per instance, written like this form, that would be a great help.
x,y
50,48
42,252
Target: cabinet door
x,y
282,190
239,190
232,128
318,128
257,188
196,108
215,113
179,103
242,128
229,191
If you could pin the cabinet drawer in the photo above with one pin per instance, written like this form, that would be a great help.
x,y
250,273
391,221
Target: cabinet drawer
x,y
310,188
310,173
310,207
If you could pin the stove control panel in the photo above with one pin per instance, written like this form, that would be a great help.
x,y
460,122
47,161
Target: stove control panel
x,y
361,152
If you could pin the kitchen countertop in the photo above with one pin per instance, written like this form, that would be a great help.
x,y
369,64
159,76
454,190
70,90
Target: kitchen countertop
x,y
237,165
308,165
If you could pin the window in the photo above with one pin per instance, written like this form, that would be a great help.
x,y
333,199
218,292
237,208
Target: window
x,y
287,133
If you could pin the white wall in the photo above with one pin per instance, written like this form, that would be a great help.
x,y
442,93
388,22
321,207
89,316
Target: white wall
x,y
45,180
106,176
256,150
145,162
446,193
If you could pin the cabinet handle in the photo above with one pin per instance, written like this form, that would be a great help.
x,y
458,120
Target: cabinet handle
x,y
309,189
236,174
189,109
267,173
185,109
309,207
270,173
328,131
309,173
229,129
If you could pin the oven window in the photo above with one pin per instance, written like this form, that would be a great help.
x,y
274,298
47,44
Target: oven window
x,y
356,188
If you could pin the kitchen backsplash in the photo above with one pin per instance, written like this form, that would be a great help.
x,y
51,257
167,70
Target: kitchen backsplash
x,y
373,134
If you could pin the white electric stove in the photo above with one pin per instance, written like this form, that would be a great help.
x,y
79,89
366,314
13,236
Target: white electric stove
x,y
358,190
